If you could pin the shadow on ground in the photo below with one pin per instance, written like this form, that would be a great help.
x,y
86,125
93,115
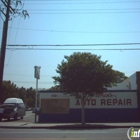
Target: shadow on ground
x,y
81,127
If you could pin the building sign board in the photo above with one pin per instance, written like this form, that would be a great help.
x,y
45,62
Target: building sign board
x,y
37,72
105,100
55,106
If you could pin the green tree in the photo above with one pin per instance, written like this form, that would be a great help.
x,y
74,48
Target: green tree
x,y
54,88
9,90
120,76
84,74
22,93
30,97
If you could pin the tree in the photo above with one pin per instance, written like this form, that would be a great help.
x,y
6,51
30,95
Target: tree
x,y
54,88
120,76
30,97
9,90
22,93
84,74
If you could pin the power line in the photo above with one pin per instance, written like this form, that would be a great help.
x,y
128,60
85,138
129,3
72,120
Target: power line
x,y
84,9
120,49
87,32
62,45
77,2
88,13
33,47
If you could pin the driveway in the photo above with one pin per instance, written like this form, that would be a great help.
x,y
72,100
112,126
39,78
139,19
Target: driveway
x,y
30,117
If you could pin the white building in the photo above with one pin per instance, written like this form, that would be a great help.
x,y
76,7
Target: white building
x,y
121,103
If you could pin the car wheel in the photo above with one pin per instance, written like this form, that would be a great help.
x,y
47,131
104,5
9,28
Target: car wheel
x,y
22,117
0,119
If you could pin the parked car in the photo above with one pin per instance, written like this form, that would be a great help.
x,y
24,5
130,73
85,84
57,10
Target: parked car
x,y
12,108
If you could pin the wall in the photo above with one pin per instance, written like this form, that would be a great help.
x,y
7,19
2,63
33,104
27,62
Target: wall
x,y
127,84
107,107
120,103
138,92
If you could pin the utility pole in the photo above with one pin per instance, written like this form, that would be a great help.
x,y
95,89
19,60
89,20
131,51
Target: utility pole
x,y
3,46
37,76
12,11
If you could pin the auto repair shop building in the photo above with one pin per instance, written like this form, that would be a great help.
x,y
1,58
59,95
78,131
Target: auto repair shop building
x,y
120,103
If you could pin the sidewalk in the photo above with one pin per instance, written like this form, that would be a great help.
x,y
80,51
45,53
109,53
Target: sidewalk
x,y
29,125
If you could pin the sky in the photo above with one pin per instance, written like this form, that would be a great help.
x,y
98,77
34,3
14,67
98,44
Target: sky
x,y
72,22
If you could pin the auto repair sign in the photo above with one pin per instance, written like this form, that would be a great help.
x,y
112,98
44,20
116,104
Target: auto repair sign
x,y
105,100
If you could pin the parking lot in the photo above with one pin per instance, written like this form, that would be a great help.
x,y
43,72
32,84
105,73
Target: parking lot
x,y
30,117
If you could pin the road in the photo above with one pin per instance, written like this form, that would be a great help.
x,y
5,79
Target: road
x,y
47,134
30,117
54,134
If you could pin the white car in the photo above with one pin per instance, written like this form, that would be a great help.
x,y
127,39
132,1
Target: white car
x,y
12,108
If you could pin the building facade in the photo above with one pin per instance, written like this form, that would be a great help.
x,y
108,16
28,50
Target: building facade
x,y
120,103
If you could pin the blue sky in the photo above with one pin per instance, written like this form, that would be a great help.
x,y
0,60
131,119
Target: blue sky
x,y
71,22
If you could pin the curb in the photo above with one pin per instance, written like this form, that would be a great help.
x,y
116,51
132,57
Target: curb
x,y
69,127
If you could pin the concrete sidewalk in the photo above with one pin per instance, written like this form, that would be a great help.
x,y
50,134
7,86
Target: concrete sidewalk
x,y
29,125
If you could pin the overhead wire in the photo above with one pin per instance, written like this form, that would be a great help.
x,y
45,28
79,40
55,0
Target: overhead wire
x,y
14,40
15,37
78,2
96,11
33,46
87,32
83,9
71,49
120,49
88,13
60,45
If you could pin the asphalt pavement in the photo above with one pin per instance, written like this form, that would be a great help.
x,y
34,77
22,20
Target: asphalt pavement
x,y
32,125
59,134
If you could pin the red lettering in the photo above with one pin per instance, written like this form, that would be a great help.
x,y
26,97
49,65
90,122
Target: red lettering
x,y
88,101
114,101
124,102
109,102
103,102
84,102
93,102
128,101
120,102
77,102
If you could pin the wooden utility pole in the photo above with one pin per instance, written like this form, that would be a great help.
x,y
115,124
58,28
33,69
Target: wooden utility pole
x,y
3,46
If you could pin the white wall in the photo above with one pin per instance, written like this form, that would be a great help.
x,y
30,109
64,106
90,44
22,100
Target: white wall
x,y
105,100
133,83
112,99
127,84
